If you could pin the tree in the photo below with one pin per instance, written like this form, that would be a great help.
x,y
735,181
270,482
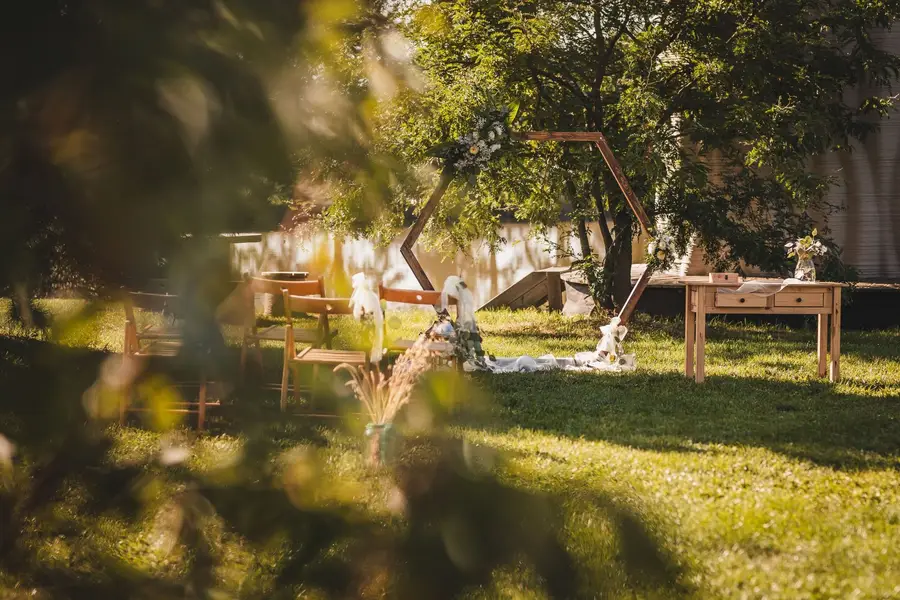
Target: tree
x,y
713,108
129,128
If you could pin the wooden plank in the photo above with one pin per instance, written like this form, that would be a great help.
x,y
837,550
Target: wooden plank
x,y
416,230
512,297
700,337
554,290
788,298
822,345
558,136
740,301
689,326
767,310
836,336
635,295
536,296
630,197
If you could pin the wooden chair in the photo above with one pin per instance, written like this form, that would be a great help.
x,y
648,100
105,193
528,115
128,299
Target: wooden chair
x,y
414,297
315,355
278,333
143,342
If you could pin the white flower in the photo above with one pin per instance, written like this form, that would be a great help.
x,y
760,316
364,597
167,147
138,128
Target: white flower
x,y
651,247
491,136
479,122
495,147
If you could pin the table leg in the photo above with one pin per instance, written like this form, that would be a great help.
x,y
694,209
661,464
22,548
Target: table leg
x,y
689,327
836,336
822,343
700,336
201,402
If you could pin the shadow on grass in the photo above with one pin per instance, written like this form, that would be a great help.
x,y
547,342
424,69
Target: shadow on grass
x,y
44,385
666,412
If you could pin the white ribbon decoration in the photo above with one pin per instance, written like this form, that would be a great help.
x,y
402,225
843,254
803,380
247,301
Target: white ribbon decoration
x,y
364,301
455,287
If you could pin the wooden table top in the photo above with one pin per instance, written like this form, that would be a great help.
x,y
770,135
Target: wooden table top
x,y
701,281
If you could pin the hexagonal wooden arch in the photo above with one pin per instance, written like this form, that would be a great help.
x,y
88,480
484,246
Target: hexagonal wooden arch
x,y
599,140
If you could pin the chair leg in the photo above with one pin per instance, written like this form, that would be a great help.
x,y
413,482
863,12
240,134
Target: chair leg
x,y
243,358
123,404
312,387
125,398
295,374
285,379
259,356
201,409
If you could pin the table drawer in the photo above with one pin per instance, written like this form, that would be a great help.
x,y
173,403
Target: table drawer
x,y
739,300
811,299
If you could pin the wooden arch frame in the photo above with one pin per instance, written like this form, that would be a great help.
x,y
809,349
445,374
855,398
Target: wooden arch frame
x,y
599,140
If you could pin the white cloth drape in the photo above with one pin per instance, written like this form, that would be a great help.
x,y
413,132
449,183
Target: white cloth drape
x,y
455,287
364,301
763,288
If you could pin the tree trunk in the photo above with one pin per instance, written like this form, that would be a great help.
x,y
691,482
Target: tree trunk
x,y
617,266
583,239
581,226
605,233
622,278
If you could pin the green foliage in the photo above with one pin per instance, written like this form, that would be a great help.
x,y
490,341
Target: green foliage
x,y
130,127
713,109
271,509
762,477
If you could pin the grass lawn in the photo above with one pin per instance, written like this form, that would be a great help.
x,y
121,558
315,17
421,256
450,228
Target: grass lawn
x,y
764,482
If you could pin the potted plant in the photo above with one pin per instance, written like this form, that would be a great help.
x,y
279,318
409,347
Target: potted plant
x,y
805,249
383,395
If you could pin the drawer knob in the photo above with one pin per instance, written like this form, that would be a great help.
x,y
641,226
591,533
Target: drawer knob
x,y
799,300
742,300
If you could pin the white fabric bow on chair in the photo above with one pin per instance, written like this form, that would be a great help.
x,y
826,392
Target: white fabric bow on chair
x,y
364,301
455,287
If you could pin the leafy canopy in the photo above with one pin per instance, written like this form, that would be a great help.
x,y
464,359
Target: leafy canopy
x,y
714,109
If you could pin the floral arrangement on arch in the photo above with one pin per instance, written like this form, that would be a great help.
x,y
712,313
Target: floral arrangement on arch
x,y
469,154
661,252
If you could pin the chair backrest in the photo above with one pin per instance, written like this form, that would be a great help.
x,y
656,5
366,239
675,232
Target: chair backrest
x,y
161,303
318,306
167,304
315,306
419,297
310,287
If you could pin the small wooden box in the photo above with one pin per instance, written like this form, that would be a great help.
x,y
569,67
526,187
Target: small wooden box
x,y
724,278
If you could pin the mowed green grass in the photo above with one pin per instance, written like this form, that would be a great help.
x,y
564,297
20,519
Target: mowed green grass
x,y
764,482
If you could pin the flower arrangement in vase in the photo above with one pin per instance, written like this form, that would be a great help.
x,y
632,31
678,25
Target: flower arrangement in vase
x,y
805,249
384,394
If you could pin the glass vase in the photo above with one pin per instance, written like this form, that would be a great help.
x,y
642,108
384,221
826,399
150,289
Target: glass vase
x,y
806,270
379,444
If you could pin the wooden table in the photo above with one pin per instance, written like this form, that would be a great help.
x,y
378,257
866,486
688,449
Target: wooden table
x,y
704,298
